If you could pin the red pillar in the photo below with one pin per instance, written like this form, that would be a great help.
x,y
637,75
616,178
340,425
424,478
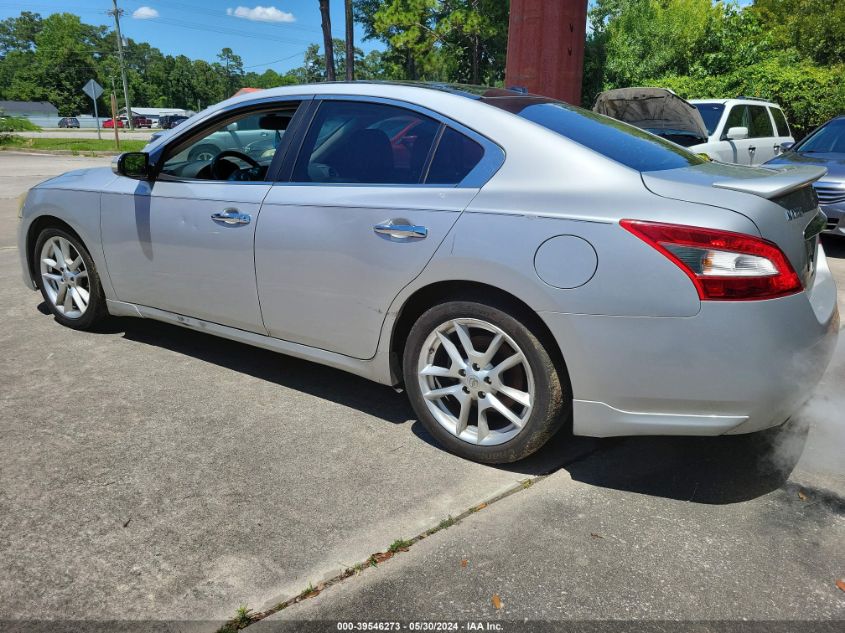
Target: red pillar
x,y
546,47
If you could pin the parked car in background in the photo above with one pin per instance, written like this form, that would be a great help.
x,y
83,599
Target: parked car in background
x,y
169,121
111,123
745,130
824,147
141,122
514,262
656,110
69,122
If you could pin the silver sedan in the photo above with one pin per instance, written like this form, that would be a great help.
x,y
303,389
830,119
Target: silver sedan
x,y
518,265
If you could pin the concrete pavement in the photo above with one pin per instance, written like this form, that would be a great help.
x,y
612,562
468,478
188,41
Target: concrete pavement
x,y
730,528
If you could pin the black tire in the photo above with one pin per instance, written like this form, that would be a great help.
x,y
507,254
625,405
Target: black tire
x,y
96,310
206,148
551,402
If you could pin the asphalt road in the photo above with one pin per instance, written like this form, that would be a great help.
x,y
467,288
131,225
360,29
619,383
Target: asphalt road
x,y
152,472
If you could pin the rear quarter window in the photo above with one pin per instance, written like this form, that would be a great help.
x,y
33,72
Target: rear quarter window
x,y
620,142
780,122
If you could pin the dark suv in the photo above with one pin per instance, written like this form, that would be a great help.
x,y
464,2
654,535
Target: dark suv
x,y
170,121
69,121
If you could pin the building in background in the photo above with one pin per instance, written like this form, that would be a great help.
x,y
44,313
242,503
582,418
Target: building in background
x,y
42,113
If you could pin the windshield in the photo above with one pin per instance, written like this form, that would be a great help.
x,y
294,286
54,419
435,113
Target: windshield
x,y
623,143
711,113
828,139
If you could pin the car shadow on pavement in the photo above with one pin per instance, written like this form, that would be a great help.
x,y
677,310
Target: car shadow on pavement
x,y
304,376
709,470
834,246
716,470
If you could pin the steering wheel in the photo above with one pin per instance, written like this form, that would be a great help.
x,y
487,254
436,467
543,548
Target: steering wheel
x,y
229,153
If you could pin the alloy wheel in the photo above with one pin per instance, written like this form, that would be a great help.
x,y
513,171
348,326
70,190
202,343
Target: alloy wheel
x,y
476,381
65,277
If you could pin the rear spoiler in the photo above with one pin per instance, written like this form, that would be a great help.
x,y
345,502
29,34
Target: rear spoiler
x,y
781,182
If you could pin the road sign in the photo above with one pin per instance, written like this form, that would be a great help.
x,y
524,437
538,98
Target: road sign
x,y
92,89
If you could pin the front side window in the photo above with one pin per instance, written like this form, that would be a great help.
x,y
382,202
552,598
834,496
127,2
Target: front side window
x,y
737,117
240,149
760,125
355,142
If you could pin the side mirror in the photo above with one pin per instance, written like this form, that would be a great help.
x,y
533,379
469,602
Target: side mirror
x,y
134,165
786,146
737,133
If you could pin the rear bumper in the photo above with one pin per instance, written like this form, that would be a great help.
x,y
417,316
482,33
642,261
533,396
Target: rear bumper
x,y
735,367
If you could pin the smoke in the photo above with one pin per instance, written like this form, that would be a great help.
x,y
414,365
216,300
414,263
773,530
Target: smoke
x,y
814,441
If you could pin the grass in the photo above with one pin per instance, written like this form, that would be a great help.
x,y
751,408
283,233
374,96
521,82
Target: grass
x,y
73,145
399,545
242,619
17,124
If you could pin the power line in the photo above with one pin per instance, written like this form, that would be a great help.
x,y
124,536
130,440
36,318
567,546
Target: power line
x,y
276,61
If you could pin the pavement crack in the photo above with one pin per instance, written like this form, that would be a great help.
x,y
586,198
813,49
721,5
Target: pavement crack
x,y
242,620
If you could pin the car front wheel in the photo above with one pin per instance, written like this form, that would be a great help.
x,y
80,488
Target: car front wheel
x,y
482,383
68,279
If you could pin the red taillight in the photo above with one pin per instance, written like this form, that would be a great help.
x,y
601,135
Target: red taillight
x,y
724,266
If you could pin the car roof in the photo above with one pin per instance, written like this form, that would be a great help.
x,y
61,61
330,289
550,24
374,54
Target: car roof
x,y
738,100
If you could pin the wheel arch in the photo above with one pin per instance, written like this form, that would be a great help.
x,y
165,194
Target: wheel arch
x,y
35,228
439,292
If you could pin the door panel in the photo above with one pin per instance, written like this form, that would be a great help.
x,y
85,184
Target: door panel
x,y
325,277
164,250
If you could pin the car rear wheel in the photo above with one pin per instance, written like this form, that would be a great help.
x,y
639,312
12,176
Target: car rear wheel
x,y
203,152
68,280
482,383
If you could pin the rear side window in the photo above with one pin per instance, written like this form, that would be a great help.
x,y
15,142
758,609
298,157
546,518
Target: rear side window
x,y
618,141
355,142
760,125
780,122
455,157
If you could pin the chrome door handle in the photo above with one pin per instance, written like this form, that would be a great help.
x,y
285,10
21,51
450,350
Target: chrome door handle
x,y
231,217
752,149
401,230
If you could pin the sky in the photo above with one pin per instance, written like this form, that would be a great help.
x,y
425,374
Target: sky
x,y
266,34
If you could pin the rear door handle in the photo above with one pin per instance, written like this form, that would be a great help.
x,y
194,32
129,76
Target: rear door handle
x,y
231,217
408,231
752,149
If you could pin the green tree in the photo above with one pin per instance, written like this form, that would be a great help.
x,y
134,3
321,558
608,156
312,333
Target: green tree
x,y
814,28
232,69
66,56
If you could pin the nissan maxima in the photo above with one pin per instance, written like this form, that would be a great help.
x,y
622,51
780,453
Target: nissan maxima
x,y
517,265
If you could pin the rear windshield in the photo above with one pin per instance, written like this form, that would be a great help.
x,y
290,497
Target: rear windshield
x,y
711,113
623,143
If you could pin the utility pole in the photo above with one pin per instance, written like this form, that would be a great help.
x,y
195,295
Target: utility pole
x,y
350,42
328,46
117,13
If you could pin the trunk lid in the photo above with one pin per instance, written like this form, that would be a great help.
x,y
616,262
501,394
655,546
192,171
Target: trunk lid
x,y
781,203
